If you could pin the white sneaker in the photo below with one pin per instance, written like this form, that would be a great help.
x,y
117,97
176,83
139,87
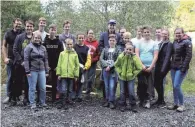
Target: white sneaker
x,y
6,100
181,108
147,105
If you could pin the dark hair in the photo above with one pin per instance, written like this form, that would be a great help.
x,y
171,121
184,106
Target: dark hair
x,y
80,33
157,28
147,28
66,22
179,28
52,26
17,19
30,22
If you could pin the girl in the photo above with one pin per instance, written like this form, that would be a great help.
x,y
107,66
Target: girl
x,y
84,61
107,59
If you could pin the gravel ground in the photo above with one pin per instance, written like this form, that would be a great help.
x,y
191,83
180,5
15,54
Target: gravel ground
x,y
91,114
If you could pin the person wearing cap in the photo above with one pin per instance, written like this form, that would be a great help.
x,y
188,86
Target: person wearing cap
x,y
103,42
53,46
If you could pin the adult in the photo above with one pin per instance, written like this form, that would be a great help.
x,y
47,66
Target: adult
x,y
42,24
147,51
36,69
139,33
7,50
122,31
158,37
162,66
66,34
21,41
53,46
92,43
181,57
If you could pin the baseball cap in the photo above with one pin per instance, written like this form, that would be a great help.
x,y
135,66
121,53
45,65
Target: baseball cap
x,y
112,21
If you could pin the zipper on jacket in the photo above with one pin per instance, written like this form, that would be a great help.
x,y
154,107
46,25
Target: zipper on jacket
x,y
67,64
126,68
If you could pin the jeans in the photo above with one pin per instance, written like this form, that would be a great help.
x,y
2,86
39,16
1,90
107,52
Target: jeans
x,y
9,82
37,77
110,85
177,78
91,77
131,91
67,87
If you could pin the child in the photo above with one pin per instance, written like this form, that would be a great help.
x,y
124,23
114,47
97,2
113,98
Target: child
x,y
107,59
127,66
84,62
67,70
126,40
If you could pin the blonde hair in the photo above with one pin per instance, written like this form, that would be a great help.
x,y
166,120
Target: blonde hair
x,y
69,40
42,19
127,34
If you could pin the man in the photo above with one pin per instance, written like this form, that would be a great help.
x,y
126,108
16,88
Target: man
x,y
103,42
53,46
42,25
7,50
158,33
122,31
20,43
147,51
138,37
66,33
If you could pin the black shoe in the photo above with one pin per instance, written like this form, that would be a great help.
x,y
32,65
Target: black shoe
x,y
134,108
162,104
156,103
13,103
25,101
122,108
172,107
65,107
106,104
111,105
79,100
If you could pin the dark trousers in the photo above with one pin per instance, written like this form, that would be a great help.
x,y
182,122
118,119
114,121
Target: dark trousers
x,y
145,83
20,82
158,84
53,80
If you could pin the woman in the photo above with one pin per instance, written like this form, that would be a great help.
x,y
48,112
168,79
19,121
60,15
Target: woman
x,y
162,66
181,57
92,43
36,67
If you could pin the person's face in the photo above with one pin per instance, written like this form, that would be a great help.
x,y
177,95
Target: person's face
x,y
158,33
67,27
122,31
90,34
17,25
178,34
42,24
69,45
29,28
111,27
129,49
37,38
127,39
146,34
52,31
81,39
139,32
165,35
112,42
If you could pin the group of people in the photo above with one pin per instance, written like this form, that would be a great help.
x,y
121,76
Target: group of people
x,y
35,58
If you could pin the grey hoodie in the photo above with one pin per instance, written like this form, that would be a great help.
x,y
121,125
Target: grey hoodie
x,y
35,58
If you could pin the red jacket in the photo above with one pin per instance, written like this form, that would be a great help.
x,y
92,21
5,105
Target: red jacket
x,y
94,51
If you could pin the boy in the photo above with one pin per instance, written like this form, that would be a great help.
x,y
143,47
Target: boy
x,y
127,66
67,70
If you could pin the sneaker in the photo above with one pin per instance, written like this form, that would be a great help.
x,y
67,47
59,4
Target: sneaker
x,y
7,99
79,100
147,105
122,108
161,105
111,105
33,106
13,103
106,104
156,103
43,106
134,108
181,108
172,107
25,101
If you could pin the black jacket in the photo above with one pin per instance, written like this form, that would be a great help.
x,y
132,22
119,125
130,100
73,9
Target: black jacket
x,y
164,57
182,54
53,47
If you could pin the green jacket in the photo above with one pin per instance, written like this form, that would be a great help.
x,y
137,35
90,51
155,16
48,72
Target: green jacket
x,y
68,65
127,67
